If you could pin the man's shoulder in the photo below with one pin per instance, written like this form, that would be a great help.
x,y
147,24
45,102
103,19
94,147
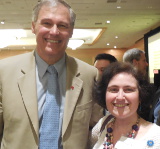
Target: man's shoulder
x,y
16,59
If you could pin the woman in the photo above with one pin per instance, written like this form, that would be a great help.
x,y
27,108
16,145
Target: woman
x,y
126,95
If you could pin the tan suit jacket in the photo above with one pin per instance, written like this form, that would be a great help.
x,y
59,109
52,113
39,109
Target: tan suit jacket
x,y
19,124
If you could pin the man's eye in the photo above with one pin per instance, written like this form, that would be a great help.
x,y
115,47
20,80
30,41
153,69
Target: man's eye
x,y
46,23
62,26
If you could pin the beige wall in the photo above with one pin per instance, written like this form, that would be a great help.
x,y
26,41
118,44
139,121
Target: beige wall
x,y
8,53
139,44
86,55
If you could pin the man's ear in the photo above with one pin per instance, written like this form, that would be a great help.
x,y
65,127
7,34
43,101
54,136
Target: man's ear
x,y
71,33
135,62
33,27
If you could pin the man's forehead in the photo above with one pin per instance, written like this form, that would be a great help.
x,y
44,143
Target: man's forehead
x,y
142,55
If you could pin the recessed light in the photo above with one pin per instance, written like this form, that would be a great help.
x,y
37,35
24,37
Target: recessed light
x,y
118,7
108,21
115,47
107,44
2,22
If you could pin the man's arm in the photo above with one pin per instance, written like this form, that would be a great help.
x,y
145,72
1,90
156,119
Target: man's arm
x,y
97,110
1,117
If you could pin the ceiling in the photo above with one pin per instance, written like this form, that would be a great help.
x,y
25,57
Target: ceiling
x,y
130,22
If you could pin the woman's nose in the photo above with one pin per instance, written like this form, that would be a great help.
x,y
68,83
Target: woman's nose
x,y
120,95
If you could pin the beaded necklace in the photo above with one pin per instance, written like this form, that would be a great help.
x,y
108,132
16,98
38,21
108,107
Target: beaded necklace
x,y
109,135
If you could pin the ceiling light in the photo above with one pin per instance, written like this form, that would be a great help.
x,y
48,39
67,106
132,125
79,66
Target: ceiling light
x,y
108,21
118,7
2,22
27,38
115,47
116,36
75,43
10,36
5,41
107,44
86,34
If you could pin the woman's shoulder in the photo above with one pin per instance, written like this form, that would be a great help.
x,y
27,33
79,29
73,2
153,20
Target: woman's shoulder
x,y
100,122
150,129
152,137
104,121
97,129
155,129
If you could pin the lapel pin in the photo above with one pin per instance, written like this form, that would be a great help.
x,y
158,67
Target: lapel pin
x,y
150,143
72,87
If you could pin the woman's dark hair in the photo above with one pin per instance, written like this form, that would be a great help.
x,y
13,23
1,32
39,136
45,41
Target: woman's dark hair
x,y
145,89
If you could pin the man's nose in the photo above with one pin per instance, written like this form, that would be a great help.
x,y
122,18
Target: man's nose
x,y
54,30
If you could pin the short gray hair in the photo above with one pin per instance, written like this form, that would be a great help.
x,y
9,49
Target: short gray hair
x,y
132,54
52,3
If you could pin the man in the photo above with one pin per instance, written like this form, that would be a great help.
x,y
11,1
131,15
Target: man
x,y
103,60
154,115
137,58
23,85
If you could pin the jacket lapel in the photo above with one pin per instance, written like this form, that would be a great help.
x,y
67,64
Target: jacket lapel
x,y
73,89
27,87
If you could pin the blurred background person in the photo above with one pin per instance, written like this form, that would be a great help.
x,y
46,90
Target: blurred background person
x,y
137,58
154,115
103,60
122,90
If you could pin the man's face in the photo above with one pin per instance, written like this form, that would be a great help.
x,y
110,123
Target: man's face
x,y
142,64
101,65
53,30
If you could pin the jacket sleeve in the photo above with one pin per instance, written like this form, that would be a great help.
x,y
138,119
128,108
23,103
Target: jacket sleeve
x,y
1,117
93,135
97,110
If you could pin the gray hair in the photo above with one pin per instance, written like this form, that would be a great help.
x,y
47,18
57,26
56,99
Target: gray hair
x,y
52,3
132,54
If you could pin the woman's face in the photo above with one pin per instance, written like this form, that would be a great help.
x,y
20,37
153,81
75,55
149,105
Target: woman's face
x,y
122,95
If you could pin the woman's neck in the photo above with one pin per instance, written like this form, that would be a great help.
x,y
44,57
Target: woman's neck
x,y
123,127
125,124
127,127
